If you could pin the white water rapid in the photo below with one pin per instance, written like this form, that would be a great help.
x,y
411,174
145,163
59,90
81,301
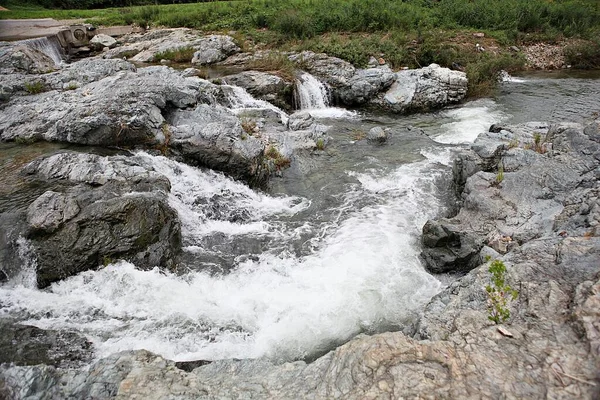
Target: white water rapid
x,y
363,275
48,46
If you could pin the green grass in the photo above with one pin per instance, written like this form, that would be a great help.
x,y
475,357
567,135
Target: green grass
x,y
409,33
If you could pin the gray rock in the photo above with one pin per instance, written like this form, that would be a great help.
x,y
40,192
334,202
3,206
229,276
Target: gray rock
x,y
300,120
377,135
264,86
423,89
212,136
109,208
213,48
29,345
101,41
20,58
349,85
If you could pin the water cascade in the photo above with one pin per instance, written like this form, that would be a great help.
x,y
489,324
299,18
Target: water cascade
x,y
50,46
310,93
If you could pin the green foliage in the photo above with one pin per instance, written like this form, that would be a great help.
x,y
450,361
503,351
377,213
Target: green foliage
x,y
483,71
584,55
500,294
275,63
35,87
320,144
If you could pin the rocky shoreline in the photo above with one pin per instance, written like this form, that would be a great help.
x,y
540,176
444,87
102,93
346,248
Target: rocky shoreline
x,y
529,196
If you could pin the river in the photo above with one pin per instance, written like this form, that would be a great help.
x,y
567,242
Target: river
x,y
330,250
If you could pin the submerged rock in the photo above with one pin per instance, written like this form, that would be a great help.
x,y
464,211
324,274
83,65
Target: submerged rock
x,y
108,208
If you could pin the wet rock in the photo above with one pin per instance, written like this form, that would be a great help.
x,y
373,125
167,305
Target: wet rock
x,y
212,136
423,89
264,86
377,135
300,120
101,41
29,345
110,208
350,86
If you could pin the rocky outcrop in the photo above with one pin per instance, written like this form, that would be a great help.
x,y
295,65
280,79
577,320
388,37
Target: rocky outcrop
x,y
350,86
148,47
103,209
517,182
423,89
20,58
264,86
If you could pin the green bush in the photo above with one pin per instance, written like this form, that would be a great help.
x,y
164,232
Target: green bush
x,y
584,55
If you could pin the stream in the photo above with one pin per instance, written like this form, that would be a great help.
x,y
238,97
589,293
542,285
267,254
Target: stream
x,y
329,251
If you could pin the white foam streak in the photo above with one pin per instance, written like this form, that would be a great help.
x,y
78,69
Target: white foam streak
x,y
469,121
195,193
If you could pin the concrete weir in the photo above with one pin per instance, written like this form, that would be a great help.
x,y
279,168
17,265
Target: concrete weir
x,y
56,38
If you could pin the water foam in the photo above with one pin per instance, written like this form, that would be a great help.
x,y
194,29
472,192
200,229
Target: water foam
x,y
364,275
469,121
48,46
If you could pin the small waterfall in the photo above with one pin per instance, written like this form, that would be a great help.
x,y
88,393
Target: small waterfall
x,y
240,100
50,46
311,93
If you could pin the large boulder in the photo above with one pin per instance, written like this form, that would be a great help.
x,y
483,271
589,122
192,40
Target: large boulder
x,y
213,137
213,48
149,46
120,109
349,85
100,41
423,89
24,59
103,209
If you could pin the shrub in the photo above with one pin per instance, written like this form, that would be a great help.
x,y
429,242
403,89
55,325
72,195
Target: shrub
x,y
275,63
499,174
320,145
585,55
500,294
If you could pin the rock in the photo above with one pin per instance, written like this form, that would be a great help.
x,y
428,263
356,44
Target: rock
x,y
526,204
423,89
479,34
213,48
109,208
29,345
377,135
350,86
120,109
300,120
264,86
101,41
24,59
212,136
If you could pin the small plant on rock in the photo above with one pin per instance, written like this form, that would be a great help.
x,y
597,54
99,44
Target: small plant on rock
x,y
35,87
278,159
500,294
320,145
499,175
248,125
358,134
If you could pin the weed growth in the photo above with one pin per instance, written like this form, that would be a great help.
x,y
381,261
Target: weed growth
x,y
500,294
35,87
180,55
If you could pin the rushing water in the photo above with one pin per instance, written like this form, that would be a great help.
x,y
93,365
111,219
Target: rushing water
x,y
50,46
331,250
